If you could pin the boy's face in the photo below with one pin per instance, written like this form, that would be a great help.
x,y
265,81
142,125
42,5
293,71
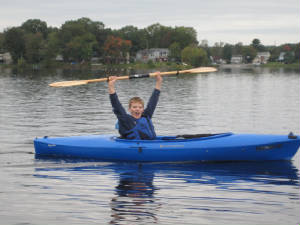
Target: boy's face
x,y
136,109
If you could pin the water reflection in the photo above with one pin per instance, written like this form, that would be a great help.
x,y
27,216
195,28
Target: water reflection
x,y
135,198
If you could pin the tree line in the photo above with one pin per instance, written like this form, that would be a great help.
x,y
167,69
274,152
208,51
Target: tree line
x,y
83,39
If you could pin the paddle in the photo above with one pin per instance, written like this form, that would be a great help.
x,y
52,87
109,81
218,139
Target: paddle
x,y
81,82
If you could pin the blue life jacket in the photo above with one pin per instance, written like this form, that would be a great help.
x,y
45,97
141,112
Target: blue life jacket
x,y
143,130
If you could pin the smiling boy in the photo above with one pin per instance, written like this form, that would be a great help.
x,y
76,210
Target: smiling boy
x,y
137,124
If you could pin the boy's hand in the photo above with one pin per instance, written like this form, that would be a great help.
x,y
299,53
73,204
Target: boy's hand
x,y
159,80
112,79
111,84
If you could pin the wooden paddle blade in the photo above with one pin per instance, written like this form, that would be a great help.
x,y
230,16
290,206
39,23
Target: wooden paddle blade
x,y
68,83
195,70
201,70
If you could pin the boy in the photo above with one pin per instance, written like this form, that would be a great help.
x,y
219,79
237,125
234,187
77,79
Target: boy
x,y
137,124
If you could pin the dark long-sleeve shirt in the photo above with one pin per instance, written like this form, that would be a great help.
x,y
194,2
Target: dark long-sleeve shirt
x,y
125,120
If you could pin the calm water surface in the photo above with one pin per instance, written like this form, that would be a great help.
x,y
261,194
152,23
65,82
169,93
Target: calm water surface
x,y
253,100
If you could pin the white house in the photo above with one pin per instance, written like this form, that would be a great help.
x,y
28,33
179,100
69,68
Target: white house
x,y
154,54
261,58
5,58
236,59
59,58
281,56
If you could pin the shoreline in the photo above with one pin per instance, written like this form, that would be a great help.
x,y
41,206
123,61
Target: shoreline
x,y
268,65
141,66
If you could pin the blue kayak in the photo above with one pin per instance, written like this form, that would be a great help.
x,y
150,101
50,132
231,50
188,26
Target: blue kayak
x,y
216,147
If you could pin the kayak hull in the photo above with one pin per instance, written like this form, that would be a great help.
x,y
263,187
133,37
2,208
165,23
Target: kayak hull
x,y
220,147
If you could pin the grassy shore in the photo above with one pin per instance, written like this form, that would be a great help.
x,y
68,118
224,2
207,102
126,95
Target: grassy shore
x,y
163,66
282,65
145,66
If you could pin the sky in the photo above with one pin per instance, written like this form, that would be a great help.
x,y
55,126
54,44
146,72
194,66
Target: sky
x,y
273,22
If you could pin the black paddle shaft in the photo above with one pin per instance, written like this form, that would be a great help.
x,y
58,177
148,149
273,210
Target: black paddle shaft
x,y
138,76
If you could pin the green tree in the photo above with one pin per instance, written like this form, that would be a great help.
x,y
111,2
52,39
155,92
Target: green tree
x,y
98,29
153,37
289,53
249,53
35,26
194,56
14,42
135,35
238,49
227,53
34,47
79,37
217,50
275,52
1,42
185,36
158,36
80,48
256,44
51,48
296,52
289,57
175,51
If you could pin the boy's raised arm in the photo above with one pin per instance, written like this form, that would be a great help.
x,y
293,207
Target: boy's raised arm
x,y
154,97
116,105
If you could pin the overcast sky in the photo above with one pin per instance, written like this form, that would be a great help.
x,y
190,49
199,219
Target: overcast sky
x,y
230,21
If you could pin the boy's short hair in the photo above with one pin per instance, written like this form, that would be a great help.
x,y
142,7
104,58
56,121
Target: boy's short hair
x,y
136,100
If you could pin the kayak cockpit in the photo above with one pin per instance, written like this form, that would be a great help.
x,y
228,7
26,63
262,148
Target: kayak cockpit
x,y
184,137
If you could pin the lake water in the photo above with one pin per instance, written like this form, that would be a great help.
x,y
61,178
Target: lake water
x,y
239,100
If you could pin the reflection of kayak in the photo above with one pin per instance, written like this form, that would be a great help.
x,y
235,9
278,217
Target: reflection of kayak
x,y
218,147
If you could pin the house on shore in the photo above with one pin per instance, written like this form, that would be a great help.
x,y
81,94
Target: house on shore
x,y
154,54
216,60
284,56
5,58
261,58
236,59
